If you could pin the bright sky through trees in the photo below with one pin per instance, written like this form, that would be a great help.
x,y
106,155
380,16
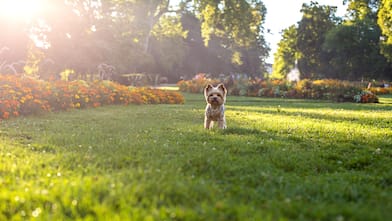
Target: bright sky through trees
x,y
283,13
20,10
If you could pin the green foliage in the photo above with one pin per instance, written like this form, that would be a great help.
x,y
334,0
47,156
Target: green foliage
x,y
237,25
356,51
316,21
354,44
362,9
279,160
168,37
66,74
340,48
239,21
365,97
385,23
285,57
169,27
34,57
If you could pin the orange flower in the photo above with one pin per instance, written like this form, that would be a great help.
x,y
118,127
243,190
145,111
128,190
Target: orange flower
x,y
96,104
6,115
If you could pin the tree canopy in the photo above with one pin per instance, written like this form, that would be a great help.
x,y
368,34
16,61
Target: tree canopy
x,y
385,22
185,37
354,47
286,55
153,37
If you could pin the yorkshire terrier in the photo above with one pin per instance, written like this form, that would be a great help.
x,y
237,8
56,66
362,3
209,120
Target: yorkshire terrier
x,y
215,110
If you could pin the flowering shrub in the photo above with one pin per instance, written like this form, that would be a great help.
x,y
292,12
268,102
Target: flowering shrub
x,y
327,89
24,96
381,90
366,97
197,84
155,96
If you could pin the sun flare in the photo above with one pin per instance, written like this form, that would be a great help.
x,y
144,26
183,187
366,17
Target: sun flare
x,y
20,10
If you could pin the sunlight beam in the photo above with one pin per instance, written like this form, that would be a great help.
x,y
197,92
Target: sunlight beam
x,y
20,10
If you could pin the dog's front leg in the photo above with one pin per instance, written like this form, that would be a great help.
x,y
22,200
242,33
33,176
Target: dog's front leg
x,y
222,123
207,123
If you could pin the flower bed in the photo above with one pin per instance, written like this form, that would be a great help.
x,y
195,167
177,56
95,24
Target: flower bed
x,y
24,96
381,90
326,89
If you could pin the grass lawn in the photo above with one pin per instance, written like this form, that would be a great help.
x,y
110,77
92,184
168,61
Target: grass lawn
x,y
278,160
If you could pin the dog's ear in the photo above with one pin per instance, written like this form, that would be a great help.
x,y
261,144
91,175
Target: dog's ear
x,y
223,88
207,88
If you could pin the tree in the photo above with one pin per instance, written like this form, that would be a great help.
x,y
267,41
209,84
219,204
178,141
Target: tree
x,y
66,43
168,46
238,26
361,9
385,23
214,59
355,45
145,36
355,52
285,57
239,20
316,21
